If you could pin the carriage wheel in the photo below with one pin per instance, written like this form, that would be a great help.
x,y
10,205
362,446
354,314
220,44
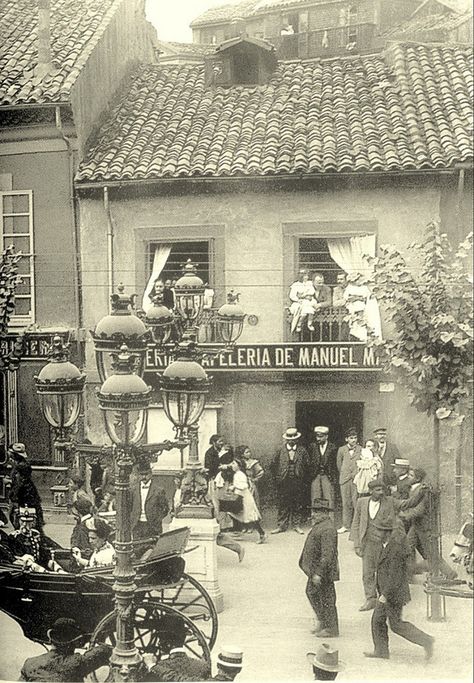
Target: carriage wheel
x,y
147,633
192,600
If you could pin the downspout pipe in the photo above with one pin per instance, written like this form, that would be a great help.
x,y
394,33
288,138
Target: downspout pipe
x,y
75,230
110,243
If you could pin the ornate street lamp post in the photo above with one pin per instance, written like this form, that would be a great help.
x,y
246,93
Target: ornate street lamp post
x,y
121,326
189,298
230,320
124,399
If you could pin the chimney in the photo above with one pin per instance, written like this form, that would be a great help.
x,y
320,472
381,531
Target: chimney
x,y
45,64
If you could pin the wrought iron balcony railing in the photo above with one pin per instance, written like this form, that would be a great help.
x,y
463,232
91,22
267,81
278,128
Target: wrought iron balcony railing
x,y
329,326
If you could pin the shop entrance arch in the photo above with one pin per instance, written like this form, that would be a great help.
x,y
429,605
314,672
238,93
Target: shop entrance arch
x,y
337,415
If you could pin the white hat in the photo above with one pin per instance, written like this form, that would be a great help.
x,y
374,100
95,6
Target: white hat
x,y
231,657
401,462
321,430
291,433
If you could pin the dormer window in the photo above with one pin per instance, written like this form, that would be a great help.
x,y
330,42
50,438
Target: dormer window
x,y
241,61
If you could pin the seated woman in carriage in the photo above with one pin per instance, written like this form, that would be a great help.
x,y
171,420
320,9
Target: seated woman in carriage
x,y
103,552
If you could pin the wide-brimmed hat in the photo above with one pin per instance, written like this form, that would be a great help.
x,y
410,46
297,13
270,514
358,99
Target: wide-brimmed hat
x,y
27,513
83,506
321,430
144,467
231,657
401,462
291,434
64,631
18,449
326,658
380,430
321,504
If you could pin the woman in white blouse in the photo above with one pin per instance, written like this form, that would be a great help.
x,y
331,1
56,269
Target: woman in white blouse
x,y
103,553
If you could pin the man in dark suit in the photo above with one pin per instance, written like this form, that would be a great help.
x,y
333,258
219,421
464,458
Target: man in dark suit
x,y
323,466
290,467
402,479
319,562
347,457
387,452
148,505
415,513
393,594
179,666
219,453
372,514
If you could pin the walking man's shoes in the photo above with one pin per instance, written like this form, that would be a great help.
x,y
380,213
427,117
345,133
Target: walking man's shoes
x,y
325,633
342,530
278,530
241,554
368,605
377,655
429,650
299,530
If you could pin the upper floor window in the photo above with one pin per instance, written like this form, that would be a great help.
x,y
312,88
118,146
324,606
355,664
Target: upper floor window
x,y
314,256
16,228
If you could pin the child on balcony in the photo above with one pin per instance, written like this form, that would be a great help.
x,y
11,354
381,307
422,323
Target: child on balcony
x,y
301,295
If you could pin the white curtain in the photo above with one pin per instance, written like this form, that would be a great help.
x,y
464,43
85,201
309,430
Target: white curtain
x,y
348,253
162,252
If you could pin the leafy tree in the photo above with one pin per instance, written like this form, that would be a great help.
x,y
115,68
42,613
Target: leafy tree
x,y
10,354
427,300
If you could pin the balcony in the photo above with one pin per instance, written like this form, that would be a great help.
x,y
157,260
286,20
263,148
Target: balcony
x,y
324,43
329,326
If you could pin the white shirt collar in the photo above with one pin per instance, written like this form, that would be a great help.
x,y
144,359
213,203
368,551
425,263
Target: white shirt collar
x,y
403,476
145,486
416,485
374,506
175,650
85,517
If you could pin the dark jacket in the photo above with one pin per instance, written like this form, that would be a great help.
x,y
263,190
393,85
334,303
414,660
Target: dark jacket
x,y
402,488
23,491
392,570
281,461
323,295
80,537
391,453
347,463
212,461
56,666
323,464
156,506
361,519
319,554
415,513
179,667
33,544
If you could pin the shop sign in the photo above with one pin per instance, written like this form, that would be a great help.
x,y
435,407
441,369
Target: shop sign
x,y
35,346
319,356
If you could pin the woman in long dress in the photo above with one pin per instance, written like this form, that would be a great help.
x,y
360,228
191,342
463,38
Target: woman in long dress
x,y
253,470
249,514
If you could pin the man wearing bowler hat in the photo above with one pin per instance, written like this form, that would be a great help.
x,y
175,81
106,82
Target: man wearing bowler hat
x,y
149,504
61,663
322,457
319,561
393,593
325,662
290,467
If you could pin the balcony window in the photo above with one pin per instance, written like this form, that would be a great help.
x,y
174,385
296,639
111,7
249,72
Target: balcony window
x,y
16,228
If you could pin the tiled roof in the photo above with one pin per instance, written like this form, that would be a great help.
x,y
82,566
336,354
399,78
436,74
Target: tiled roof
x,y
419,27
245,9
197,49
409,110
76,26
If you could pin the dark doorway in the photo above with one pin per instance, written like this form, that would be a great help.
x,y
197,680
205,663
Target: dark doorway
x,y
337,416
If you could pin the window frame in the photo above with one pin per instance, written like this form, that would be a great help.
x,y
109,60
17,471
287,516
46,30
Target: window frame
x,y
18,320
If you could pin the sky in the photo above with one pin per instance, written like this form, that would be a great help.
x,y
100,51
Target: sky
x,y
171,18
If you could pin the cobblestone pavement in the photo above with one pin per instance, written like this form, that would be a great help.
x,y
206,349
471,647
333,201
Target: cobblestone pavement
x,y
266,614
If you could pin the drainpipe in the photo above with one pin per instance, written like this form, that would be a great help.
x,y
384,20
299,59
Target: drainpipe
x,y
110,243
458,471
75,231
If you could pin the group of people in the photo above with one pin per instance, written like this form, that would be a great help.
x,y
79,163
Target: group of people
x,y
164,289
310,295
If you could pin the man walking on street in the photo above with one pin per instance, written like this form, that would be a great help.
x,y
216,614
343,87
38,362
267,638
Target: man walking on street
x,y
290,467
393,594
322,458
402,481
372,512
319,561
347,457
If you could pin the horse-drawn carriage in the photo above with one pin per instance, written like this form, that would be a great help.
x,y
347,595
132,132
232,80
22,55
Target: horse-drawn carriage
x,y
36,599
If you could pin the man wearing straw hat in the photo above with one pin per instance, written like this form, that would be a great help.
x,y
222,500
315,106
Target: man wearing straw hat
x,y
61,663
325,662
290,467
229,664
